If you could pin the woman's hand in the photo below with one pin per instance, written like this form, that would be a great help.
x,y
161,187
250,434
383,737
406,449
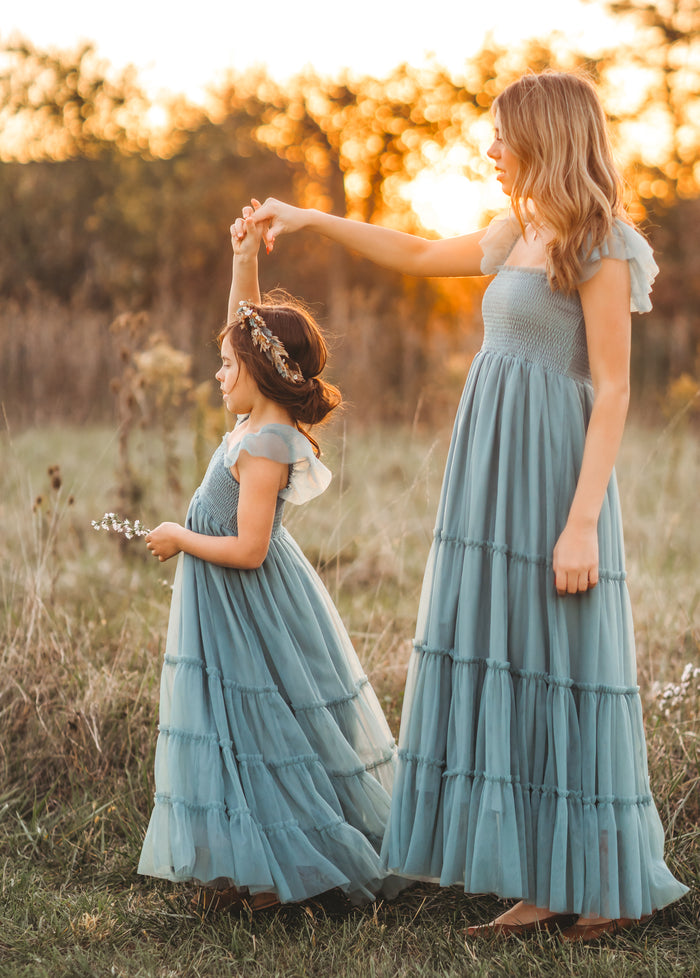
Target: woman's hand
x,y
276,217
164,541
576,559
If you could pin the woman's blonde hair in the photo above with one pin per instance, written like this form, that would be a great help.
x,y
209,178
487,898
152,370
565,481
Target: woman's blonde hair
x,y
555,125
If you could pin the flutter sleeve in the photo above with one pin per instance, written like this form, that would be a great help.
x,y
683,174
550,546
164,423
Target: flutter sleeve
x,y
308,476
626,244
497,243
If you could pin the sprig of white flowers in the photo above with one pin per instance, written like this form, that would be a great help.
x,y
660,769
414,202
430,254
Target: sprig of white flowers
x,y
110,521
680,700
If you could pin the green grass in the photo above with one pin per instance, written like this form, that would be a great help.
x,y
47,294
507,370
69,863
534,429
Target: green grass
x,y
82,626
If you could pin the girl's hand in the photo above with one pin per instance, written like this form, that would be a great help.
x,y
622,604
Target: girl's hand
x,y
576,560
276,217
163,542
246,235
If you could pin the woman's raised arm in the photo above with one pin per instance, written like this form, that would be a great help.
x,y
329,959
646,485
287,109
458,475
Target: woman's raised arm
x,y
396,250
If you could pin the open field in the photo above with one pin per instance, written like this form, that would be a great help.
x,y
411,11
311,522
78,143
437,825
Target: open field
x,y
82,627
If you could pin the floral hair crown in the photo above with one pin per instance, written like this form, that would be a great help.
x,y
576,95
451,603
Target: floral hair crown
x,y
271,345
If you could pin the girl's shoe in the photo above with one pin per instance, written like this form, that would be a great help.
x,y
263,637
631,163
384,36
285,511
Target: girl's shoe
x,y
261,901
210,899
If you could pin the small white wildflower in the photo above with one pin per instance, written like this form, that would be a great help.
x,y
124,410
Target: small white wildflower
x,y
110,521
678,700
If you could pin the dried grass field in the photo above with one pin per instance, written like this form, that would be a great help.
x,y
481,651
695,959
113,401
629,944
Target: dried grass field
x,y
82,626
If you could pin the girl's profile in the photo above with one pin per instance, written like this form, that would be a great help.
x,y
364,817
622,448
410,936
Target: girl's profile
x,y
274,762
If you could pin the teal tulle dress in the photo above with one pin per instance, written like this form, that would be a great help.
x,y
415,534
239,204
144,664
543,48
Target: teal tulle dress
x,y
522,765
274,762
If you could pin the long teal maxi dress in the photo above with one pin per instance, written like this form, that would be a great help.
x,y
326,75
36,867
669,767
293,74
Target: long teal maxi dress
x,y
274,762
522,765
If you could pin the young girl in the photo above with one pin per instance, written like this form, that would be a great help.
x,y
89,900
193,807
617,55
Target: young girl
x,y
274,761
522,763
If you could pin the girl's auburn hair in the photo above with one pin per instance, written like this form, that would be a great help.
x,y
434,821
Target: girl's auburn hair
x,y
554,123
309,402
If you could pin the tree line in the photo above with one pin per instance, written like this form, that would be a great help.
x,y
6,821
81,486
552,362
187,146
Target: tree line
x,y
103,214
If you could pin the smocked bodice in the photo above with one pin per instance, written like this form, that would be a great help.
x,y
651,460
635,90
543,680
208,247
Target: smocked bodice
x,y
217,497
523,318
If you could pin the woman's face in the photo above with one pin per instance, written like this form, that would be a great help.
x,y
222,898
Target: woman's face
x,y
506,161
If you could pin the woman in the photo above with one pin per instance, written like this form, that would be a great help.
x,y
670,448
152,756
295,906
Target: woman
x,y
522,761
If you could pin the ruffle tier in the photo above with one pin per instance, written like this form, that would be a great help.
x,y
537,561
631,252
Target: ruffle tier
x,y
522,762
261,807
534,788
274,761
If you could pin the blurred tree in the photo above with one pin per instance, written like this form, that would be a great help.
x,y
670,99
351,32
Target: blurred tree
x,y
92,216
66,133
353,145
95,210
651,86
105,214
60,105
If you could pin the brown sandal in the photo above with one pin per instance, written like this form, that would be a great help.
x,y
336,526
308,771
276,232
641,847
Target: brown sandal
x,y
261,901
208,899
505,929
592,932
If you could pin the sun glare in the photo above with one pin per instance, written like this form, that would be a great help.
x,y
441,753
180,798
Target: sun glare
x,y
450,203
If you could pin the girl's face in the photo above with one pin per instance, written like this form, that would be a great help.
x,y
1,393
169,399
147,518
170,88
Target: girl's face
x,y
234,380
506,161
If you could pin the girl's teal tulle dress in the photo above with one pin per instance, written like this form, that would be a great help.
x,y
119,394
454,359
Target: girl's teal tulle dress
x,y
274,762
522,765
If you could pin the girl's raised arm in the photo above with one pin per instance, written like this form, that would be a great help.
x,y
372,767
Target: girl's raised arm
x,y
396,250
245,241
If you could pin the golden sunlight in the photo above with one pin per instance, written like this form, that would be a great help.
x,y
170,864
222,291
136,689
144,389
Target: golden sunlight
x,y
450,203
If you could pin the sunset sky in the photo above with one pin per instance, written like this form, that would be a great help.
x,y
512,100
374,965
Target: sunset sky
x,y
187,47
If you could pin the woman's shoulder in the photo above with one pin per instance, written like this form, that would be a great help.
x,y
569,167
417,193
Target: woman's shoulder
x,y
283,443
498,241
625,243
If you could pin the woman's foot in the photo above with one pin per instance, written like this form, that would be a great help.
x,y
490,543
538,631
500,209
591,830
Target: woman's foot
x,y
592,928
520,919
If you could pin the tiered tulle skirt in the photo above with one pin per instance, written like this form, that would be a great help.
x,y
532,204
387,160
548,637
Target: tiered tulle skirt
x,y
522,761
274,762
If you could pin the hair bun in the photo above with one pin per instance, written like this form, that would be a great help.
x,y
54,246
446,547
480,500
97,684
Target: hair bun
x,y
317,399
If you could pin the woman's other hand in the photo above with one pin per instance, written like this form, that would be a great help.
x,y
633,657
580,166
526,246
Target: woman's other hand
x,y
575,559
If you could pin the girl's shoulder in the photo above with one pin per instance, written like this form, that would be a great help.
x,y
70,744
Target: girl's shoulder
x,y
625,243
282,443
